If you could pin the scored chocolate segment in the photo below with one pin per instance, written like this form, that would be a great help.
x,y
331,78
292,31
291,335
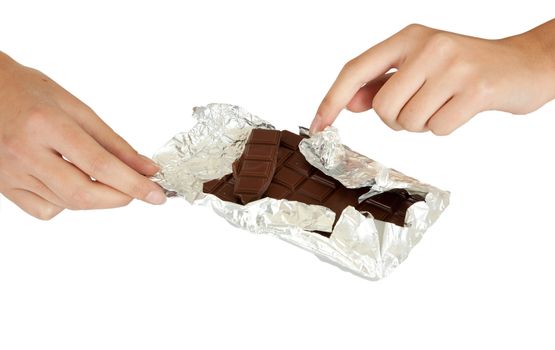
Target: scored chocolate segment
x,y
296,180
222,188
254,170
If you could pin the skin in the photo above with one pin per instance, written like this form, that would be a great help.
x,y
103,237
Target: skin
x,y
442,79
56,153
52,146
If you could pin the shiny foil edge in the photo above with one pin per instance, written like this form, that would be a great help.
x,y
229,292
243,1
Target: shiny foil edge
x,y
366,247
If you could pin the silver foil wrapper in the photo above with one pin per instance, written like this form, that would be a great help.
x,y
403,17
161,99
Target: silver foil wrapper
x,y
359,244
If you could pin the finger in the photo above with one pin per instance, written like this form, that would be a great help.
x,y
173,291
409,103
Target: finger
x,y
362,101
33,204
109,139
457,111
34,185
366,67
429,98
83,151
397,91
20,178
76,189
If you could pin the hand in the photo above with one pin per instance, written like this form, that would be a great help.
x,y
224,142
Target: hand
x,y
443,79
51,145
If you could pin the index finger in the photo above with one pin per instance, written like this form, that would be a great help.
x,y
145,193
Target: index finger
x,y
369,65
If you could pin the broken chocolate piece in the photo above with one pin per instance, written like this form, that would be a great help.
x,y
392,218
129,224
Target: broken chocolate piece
x,y
222,188
295,179
254,170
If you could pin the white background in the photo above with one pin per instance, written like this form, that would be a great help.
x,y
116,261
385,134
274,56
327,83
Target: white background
x,y
176,276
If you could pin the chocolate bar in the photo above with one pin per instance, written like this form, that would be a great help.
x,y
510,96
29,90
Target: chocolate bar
x,y
254,170
297,180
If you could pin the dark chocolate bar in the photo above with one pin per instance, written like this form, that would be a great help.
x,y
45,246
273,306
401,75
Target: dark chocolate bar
x,y
254,170
295,179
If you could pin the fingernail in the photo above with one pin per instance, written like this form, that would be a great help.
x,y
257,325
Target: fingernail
x,y
155,197
315,125
149,161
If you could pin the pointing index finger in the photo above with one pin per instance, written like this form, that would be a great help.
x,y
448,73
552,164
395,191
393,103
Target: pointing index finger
x,y
371,64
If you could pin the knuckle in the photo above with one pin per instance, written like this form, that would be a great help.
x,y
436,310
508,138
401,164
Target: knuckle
x,y
408,123
351,71
37,117
380,107
440,129
349,66
393,125
47,212
29,124
441,132
441,44
354,106
413,27
85,108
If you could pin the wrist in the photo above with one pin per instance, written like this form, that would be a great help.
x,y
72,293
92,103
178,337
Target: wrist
x,y
6,68
5,62
545,35
541,42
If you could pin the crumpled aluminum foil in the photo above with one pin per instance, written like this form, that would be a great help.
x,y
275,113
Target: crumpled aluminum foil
x,y
367,247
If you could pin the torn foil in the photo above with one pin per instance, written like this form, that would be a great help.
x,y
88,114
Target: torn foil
x,y
359,244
